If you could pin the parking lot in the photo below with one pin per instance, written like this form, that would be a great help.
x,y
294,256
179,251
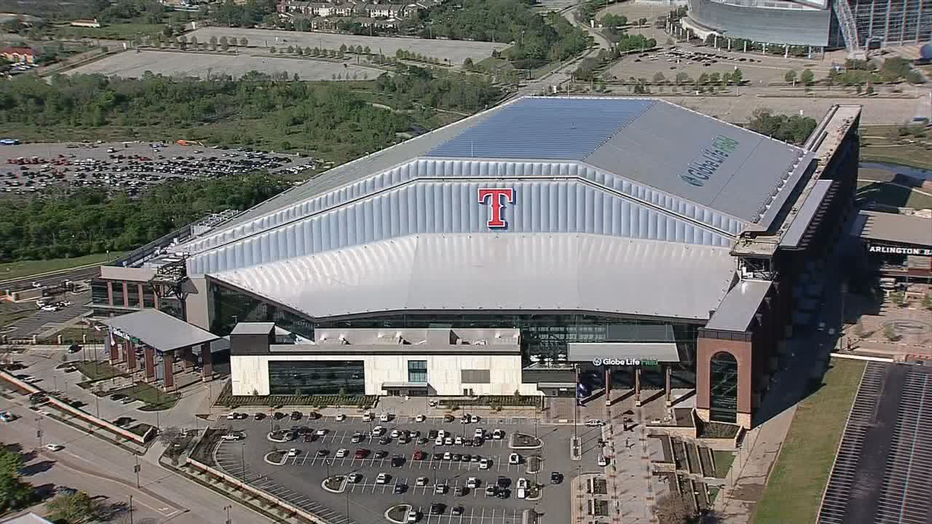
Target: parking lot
x,y
131,166
411,471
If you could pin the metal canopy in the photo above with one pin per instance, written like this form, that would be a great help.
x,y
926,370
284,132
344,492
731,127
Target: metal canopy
x,y
739,306
598,352
158,330
807,214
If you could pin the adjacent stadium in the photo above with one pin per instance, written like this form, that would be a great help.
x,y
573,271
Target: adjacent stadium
x,y
549,246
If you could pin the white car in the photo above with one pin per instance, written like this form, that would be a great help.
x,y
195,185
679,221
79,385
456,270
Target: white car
x,y
384,417
594,422
6,416
442,433
458,441
498,434
514,459
603,461
232,436
438,441
421,481
472,483
341,453
395,433
420,418
354,478
440,489
448,441
321,432
522,483
479,433
377,431
54,447
382,478
367,416
340,417
474,419
485,464
448,456
293,452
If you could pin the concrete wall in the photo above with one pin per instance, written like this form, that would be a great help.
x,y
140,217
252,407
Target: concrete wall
x,y
196,304
251,373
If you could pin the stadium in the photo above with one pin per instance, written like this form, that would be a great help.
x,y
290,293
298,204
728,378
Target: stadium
x,y
549,246
818,24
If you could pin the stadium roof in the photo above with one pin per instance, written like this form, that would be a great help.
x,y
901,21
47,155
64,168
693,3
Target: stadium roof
x,y
739,306
894,228
498,272
674,152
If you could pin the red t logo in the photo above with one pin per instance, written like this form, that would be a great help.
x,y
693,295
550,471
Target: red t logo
x,y
496,204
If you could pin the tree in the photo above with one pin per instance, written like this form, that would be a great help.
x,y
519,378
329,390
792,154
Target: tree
x,y
243,42
898,298
889,333
299,51
367,51
737,76
272,50
467,63
14,493
308,52
682,78
673,508
315,51
790,77
342,48
183,42
213,42
224,43
290,50
642,22
659,78
807,77
703,79
73,508
168,31
193,42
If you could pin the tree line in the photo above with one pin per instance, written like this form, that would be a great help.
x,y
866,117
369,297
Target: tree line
x,y
91,221
794,128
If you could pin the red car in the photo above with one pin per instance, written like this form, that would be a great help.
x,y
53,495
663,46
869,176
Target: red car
x,y
362,453
419,455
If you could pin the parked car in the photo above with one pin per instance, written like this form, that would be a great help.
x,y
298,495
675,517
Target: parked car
x,y
420,418
6,416
293,452
421,481
472,483
54,447
556,478
340,417
594,422
437,508
514,459
385,417
354,478
295,415
498,434
258,416
341,453
382,478
117,396
603,461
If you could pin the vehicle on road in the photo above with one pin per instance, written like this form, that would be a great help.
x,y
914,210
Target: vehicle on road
x,y
293,452
233,436
595,422
603,461
385,417
6,416
556,477
54,447
382,478
340,417
420,418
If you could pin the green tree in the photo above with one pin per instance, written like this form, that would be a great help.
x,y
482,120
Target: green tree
x,y
14,493
73,508
737,76
807,77
682,78
290,50
272,50
467,64
243,42
224,43
790,77
659,78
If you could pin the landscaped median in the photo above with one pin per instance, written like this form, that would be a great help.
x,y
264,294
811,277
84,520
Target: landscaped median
x,y
794,491
334,484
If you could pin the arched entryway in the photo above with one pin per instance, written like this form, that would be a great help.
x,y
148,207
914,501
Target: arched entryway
x,y
723,387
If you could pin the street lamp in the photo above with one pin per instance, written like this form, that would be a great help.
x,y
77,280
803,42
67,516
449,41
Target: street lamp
x,y
130,509
244,461
227,508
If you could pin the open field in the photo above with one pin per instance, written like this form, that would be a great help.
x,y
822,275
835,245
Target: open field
x,y
893,195
109,31
453,50
27,268
187,63
794,491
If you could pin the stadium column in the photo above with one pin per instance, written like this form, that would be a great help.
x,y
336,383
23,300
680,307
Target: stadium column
x,y
168,369
149,360
206,370
637,386
608,385
185,357
109,293
130,356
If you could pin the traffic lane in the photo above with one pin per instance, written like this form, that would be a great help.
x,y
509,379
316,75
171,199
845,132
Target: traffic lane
x,y
34,324
197,504
52,279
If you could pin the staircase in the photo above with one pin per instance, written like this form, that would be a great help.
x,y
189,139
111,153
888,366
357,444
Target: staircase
x,y
849,28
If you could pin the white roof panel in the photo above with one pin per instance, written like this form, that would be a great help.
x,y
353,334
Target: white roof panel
x,y
501,272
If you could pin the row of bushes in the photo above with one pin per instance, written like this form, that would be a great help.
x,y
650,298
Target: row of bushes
x,y
495,401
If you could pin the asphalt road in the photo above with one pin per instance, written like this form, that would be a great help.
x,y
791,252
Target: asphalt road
x,y
31,325
50,280
90,464
365,502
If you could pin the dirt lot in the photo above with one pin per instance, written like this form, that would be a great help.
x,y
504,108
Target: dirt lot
x,y
132,64
453,50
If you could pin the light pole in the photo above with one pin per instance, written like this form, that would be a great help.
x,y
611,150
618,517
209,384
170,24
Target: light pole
x,y
136,469
130,509
227,508
39,430
243,448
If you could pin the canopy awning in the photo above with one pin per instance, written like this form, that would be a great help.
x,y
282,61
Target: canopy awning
x,y
607,352
158,330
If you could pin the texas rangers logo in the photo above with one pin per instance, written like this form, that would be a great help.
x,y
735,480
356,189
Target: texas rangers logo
x,y
496,198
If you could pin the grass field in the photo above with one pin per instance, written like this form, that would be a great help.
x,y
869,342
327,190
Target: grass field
x,y
98,371
723,461
154,399
794,491
14,270
108,32
893,195
883,144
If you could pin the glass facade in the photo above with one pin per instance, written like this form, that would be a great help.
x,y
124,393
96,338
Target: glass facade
x,y
148,298
723,380
117,293
132,294
99,293
317,378
417,371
